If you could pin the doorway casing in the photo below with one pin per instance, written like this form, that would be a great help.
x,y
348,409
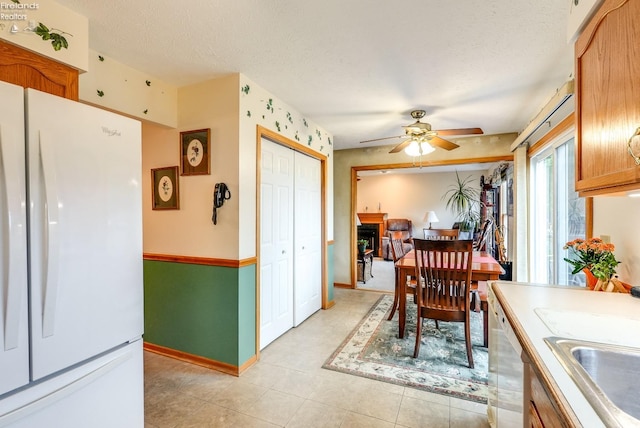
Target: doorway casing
x,y
267,134
424,164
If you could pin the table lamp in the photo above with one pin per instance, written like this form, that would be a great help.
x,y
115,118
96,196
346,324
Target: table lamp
x,y
431,217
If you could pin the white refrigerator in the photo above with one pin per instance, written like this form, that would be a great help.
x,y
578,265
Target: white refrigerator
x,y
71,299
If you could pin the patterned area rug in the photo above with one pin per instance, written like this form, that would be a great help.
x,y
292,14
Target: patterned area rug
x,y
373,350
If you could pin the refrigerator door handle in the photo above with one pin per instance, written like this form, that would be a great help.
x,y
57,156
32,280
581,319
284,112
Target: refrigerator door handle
x,y
16,245
76,386
51,226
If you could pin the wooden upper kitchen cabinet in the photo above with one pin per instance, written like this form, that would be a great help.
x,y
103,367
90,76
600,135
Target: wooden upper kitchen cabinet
x,y
30,70
607,58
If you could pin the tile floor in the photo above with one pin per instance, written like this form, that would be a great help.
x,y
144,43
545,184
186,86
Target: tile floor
x,y
288,387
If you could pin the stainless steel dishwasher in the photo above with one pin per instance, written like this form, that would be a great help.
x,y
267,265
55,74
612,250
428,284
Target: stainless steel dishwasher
x,y
507,372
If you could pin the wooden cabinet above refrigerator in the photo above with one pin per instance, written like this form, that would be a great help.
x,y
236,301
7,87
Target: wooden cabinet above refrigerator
x,y
607,93
30,70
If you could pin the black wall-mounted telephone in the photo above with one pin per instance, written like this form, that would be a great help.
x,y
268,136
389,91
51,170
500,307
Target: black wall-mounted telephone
x,y
220,194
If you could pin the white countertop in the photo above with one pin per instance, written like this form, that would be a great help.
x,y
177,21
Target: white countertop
x,y
575,313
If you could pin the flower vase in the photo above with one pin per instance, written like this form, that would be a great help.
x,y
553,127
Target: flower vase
x,y
591,279
604,285
612,285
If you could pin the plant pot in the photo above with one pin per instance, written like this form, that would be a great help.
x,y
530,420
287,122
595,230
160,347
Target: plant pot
x,y
591,279
362,249
508,271
465,235
612,285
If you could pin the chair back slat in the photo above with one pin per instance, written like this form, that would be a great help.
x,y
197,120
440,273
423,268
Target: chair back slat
x,y
397,249
443,292
441,234
445,269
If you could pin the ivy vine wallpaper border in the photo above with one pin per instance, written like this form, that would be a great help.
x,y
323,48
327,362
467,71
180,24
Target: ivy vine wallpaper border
x,y
58,41
279,118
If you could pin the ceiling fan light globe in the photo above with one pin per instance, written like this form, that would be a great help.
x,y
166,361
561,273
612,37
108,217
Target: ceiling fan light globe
x,y
413,149
426,148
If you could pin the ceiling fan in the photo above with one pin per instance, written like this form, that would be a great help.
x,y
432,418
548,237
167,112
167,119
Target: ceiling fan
x,y
424,138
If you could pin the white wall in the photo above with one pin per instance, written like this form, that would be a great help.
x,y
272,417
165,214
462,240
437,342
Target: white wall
x,y
619,217
189,231
411,196
128,91
232,112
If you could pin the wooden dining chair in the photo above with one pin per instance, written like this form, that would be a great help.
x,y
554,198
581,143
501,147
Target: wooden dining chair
x,y
397,252
440,234
444,295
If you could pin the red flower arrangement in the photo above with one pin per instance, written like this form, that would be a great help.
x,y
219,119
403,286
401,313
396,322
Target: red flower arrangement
x,y
594,255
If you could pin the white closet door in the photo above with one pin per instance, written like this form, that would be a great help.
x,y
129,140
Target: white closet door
x,y
276,241
308,226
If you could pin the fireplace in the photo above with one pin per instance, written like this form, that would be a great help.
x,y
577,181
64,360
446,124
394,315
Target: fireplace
x,y
372,229
371,233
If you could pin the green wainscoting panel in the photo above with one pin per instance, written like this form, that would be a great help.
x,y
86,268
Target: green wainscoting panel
x,y
208,311
246,313
330,272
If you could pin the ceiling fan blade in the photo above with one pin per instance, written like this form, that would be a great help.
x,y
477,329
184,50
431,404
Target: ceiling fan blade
x,y
461,131
380,139
401,146
443,144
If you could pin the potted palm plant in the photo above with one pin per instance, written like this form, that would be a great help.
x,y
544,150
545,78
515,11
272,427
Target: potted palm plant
x,y
463,199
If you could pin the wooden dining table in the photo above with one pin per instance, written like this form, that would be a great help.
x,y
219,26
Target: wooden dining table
x,y
483,268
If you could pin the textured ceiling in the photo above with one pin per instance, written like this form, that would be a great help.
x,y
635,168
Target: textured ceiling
x,y
356,67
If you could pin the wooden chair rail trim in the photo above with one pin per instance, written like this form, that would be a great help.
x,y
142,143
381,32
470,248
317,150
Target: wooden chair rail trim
x,y
200,260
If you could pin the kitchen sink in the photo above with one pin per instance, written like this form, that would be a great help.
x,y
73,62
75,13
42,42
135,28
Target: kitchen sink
x,y
607,375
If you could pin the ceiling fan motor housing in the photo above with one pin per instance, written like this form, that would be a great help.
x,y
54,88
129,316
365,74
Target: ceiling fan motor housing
x,y
418,114
418,128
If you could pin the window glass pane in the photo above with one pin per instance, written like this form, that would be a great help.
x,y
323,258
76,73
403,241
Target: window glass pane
x,y
558,214
574,215
542,198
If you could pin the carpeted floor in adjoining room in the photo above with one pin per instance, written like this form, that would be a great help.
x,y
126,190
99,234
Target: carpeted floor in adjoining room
x,y
383,276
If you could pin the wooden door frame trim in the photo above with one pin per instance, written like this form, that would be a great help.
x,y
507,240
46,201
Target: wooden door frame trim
x,y
262,132
354,192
